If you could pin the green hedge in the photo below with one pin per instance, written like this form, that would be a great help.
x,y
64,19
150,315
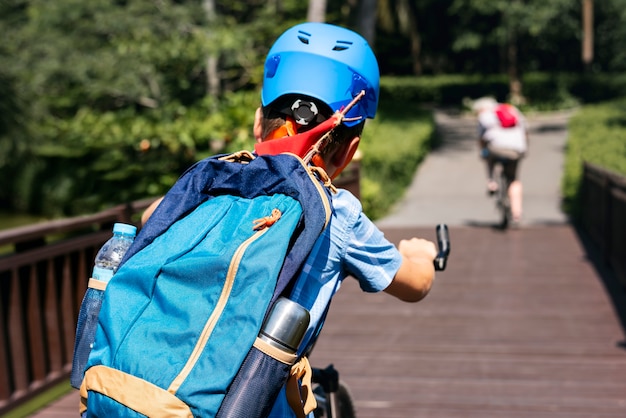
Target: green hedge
x,y
543,91
444,90
93,160
393,145
596,134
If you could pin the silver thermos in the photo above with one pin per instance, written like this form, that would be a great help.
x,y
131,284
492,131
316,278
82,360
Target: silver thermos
x,y
286,325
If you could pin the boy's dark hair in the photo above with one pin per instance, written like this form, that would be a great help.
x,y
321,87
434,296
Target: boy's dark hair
x,y
275,117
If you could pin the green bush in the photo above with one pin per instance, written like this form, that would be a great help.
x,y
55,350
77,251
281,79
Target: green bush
x,y
98,159
543,91
597,134
442,90
393,145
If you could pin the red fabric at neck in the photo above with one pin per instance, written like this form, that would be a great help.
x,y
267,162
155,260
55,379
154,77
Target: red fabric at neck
x,y
298,144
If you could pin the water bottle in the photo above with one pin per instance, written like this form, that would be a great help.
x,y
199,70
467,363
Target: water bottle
x,y
106,263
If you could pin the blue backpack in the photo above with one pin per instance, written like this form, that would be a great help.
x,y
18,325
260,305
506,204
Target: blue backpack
x,y
183,312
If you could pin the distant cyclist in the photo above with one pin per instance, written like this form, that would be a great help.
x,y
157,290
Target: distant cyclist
x,y
503,136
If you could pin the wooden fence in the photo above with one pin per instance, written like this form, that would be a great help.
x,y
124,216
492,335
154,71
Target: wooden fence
x,y
44,269
603,202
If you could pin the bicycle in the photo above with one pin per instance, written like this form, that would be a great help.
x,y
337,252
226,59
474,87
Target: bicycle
x,y
502,193
331,393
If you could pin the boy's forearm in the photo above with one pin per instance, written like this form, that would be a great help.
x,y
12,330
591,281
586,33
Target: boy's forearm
x,y
417,271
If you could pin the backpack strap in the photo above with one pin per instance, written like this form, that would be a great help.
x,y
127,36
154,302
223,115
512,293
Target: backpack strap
x,y
299,389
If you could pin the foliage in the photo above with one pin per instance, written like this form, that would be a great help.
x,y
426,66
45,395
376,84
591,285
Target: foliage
x,y
102,102
596,134
101,157
114,98
533,25
609,35
393,145
544,91
471,36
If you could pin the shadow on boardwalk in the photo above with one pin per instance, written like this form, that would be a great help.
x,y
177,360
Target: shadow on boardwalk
x,y
523,323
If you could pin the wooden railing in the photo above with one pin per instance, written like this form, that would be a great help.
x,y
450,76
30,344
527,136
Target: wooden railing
x,y
43,276
44,270
603,203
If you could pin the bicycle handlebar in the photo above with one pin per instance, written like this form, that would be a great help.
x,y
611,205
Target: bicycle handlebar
x,y
443,242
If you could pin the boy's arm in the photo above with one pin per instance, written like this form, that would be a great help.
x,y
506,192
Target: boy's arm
x,y
414,279
146,214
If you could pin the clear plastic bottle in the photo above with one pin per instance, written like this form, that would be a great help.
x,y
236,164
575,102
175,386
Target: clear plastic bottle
x,y
105,265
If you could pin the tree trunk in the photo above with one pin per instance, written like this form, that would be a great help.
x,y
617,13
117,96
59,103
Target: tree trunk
x,y
316,11
416,39
587,46
366,20
212,70
515,84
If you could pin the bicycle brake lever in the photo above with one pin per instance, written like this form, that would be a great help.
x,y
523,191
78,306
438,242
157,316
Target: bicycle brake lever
x,y
443,242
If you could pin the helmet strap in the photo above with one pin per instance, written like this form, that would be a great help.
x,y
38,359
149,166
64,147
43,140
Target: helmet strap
x,y
299,143
290,128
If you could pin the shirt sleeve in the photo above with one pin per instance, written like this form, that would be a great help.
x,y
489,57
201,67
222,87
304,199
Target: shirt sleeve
x,y
370,257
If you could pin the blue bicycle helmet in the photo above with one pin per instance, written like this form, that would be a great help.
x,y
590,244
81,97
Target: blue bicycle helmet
x,y
326,62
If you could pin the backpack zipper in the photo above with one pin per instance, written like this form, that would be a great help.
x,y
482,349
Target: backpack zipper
x,y
209,326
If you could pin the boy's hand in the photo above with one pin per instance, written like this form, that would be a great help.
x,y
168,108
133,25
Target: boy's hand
x,y
417,249
415,276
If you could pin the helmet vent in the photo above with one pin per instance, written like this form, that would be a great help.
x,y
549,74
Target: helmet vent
x,y
342,45
304,37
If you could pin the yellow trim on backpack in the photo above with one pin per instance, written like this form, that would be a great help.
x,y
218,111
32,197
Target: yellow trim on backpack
x,y
210,324
97,284
135,393
274,352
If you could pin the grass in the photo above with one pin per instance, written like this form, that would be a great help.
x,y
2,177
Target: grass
x,y
40,401
13,220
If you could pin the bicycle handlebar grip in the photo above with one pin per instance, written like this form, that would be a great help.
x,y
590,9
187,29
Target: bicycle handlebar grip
x,y
443,242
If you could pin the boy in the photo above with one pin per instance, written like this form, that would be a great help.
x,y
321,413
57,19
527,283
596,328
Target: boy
x,y
312,71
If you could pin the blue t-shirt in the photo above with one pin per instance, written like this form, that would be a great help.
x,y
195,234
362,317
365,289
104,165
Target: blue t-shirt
x,y
351,246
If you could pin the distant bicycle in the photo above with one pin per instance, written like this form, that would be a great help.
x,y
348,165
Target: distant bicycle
x,y
504,169
502,193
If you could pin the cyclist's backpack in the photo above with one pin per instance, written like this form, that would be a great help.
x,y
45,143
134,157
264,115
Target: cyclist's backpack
x,y
506,115
183,311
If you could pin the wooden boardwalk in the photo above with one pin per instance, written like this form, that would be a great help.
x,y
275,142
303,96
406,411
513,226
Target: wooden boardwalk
x,y
521,324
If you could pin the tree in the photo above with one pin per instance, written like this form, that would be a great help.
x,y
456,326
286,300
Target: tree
x,y
366,20
510,26
115,93
587,44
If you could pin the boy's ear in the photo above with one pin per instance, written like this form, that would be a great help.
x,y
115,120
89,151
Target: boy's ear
x,y
257,130
344,155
